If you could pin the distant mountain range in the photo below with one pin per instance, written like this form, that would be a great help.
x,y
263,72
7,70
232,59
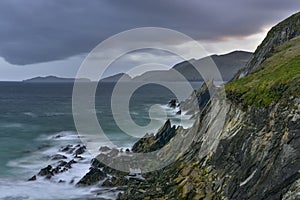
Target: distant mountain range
x,y
54,79
228,65
117,77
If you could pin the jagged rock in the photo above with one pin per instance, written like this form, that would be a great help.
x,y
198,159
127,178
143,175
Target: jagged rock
x,y
104,149
172,103
294,192
66,148
80,150
32,178
46,171
92,177
178,113
198,100
152,143
115,181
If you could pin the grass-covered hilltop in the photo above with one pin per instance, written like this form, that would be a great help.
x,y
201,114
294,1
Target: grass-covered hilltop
x,y
245,146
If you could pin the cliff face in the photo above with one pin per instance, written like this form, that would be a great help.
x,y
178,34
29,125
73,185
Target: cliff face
x,y
256,153
254,156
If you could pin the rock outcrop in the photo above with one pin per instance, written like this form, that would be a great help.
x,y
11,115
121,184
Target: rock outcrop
x,y
255,154
245,146
152,142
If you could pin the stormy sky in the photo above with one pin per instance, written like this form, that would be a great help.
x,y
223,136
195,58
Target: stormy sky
x,y
52,37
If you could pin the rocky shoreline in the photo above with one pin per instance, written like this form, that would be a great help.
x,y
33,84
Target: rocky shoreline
x,y
237,168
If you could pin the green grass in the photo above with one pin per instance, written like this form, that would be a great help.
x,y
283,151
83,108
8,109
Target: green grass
x,y
278,75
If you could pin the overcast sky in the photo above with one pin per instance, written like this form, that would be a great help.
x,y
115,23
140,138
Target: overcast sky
x,y
52,37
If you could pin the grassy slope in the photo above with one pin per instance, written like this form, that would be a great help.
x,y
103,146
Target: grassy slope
x,y
277,75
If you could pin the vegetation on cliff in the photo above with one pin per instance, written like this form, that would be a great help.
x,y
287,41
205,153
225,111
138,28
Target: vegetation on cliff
x,y
278,75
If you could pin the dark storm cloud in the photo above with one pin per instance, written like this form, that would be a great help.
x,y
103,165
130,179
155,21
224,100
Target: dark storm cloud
x,y
34,31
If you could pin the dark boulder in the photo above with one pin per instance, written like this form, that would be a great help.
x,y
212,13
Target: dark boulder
x,y
172,103
32,178
47,171
151,143
80,150
92,177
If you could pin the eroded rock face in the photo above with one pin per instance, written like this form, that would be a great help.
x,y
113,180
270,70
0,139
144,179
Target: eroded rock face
x,y
151,143
257,157
260,160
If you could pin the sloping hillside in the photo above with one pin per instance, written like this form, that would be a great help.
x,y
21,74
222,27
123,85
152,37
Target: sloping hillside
x,y
228,64
278,75
282,32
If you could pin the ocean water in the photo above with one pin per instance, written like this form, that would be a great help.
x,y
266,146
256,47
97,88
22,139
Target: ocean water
x,y
32,115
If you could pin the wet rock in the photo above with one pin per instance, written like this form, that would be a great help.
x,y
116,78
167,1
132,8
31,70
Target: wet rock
x,y
104,149
67,148
61,181
47,171
113,153
152,143
178,113
32,178
172,103
92,177
58,157
80,150
115,181
96,163
57,136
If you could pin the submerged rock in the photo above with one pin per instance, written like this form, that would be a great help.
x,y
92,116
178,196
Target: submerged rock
x,y
32,178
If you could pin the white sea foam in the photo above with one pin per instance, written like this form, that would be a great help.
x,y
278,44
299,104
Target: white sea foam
x,y
30,114
183,119
11,125
51,189
53,114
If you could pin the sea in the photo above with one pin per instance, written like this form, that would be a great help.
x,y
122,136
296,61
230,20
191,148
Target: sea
x,y
36,120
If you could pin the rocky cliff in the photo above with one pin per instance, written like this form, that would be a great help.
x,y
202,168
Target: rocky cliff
x,y
255,154
244,146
